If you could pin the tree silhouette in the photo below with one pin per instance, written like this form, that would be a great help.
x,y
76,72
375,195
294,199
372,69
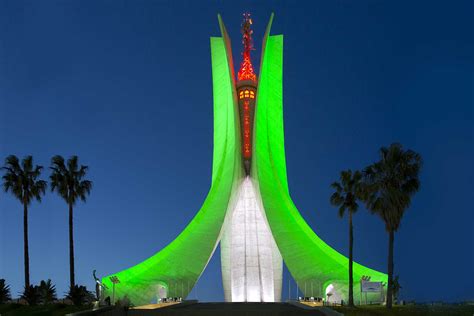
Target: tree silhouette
x,y
22,181
67,179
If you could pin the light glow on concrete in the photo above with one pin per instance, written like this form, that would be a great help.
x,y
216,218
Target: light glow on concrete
x,y
251,262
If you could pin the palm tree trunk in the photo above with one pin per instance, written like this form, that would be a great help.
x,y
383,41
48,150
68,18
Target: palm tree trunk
x,y
71,249
390,269
25,245
351,281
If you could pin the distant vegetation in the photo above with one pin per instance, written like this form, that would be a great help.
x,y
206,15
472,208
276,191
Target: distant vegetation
x,y
5,295
386,187
23,180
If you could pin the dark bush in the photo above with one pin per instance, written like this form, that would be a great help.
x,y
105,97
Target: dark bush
x,y
124,302
31,295
4,292
47,292
79,295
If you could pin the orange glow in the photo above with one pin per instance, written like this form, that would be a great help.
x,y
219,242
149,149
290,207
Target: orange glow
x,y
246,69
247,147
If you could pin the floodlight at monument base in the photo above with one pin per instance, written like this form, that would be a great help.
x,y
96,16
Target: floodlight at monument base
x,y
248,209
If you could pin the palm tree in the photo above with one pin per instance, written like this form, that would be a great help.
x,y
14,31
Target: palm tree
x,y
346,196
391,183
22,181
68,181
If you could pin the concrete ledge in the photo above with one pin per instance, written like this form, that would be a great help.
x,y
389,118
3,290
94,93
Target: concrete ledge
x,y
323,309
163,306
137,311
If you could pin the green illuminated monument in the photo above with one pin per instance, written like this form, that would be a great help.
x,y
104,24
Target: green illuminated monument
x,y
248,209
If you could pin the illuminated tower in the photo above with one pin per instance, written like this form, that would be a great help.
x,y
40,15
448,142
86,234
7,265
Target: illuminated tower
x,y
246,91
248,209
251,262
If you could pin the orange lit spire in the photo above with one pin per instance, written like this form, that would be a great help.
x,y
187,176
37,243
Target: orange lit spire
x,y
246,68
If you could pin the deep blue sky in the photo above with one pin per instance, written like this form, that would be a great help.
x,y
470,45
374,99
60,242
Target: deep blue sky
x,y
127,87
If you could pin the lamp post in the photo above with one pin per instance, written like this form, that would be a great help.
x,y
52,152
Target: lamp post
x,y
114,280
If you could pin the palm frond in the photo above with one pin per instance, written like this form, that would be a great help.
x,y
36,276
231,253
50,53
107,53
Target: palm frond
x,y
337,186
67,179
341,211
348,191
336,199
391,182
22,179
72,164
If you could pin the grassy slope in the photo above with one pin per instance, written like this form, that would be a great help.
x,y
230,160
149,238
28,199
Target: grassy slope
x,y
408,311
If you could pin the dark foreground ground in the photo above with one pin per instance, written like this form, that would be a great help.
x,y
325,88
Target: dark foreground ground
x,y
244,309
45,310
413,310
229,309
204,309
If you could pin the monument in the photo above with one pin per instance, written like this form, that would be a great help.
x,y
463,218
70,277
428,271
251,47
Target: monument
x,y
248,209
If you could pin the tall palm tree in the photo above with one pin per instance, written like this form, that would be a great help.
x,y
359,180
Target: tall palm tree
x,y
391,183
22,180
67,179
348,191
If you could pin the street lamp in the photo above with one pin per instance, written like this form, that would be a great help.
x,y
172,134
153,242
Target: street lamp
x,y
115,280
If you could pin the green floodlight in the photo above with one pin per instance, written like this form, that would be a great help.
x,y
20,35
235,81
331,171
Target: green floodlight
x,y
305,254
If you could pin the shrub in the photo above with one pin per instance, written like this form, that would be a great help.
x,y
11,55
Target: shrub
x,y
79,295
124,302
47,292
4,292
31,295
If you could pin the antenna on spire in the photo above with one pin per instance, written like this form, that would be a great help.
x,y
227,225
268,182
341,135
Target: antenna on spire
x,y
246,67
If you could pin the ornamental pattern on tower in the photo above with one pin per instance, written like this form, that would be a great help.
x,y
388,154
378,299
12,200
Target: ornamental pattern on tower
x,y
246,68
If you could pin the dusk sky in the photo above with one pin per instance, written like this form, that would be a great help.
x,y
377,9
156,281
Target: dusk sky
x,y
126,86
